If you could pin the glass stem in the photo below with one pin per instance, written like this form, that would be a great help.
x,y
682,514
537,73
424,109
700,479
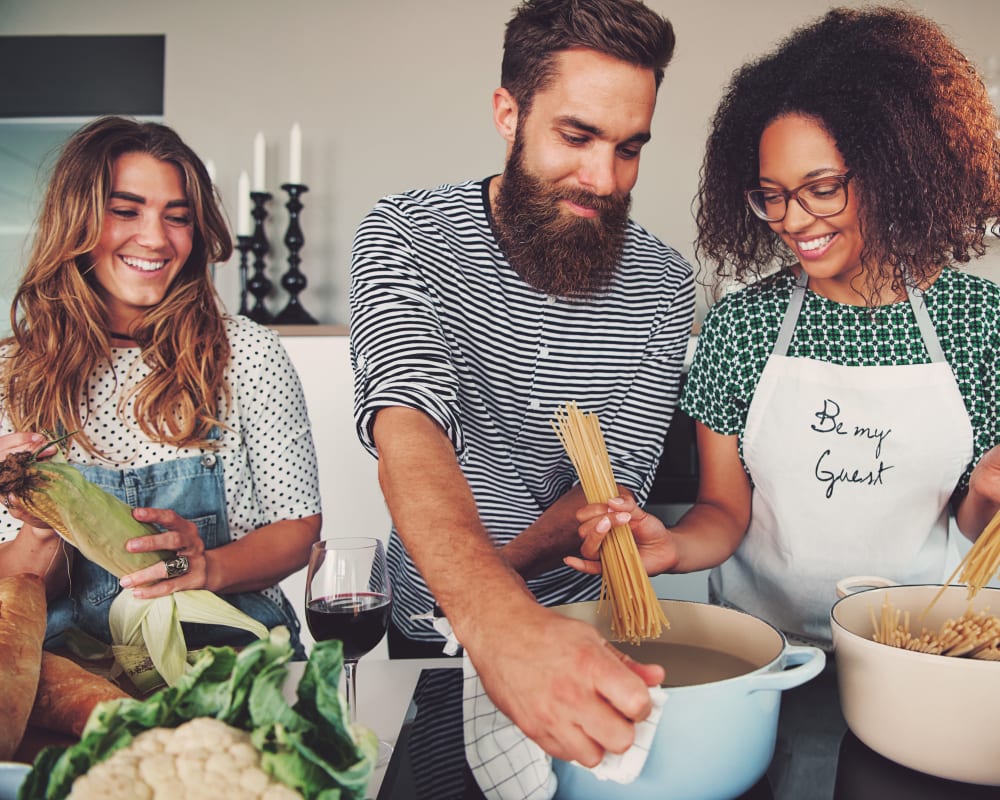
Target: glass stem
x,y
351,688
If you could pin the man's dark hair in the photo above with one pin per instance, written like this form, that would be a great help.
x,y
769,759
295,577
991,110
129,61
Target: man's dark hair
x,y
540,29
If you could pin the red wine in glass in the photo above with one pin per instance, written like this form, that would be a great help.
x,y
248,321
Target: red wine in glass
x,y
348,597
359,621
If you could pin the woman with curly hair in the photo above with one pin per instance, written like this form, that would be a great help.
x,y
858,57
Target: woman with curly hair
x,y
845,397
193,417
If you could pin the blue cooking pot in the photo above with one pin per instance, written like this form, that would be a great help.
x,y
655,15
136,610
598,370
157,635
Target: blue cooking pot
x,y
726,671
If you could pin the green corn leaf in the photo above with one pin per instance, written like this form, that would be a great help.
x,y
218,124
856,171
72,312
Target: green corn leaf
x,y
95,522
201,605
155,625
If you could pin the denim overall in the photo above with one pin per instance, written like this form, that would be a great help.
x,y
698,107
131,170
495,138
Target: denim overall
x,y
193,487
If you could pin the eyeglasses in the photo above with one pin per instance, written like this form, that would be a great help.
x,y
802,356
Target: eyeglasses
x,y
823,197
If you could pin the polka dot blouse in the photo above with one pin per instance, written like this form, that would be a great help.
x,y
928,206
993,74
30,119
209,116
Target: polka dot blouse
x,y
269,460
740,331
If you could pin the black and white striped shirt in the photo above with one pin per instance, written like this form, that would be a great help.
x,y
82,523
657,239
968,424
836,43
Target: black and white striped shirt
x,y
441,322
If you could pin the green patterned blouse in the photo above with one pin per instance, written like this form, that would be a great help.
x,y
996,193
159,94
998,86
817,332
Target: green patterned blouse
x,y
740,330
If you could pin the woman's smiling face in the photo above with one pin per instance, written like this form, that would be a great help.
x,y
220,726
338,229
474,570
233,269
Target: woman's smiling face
x,y
795,149
146,239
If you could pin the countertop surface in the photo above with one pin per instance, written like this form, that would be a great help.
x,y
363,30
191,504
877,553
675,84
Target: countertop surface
x,y
385,688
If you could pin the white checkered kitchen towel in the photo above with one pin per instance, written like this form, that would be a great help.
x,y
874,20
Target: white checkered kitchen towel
x,y
507,765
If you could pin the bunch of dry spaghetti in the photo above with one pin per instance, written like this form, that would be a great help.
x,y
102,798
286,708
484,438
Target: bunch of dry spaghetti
x,y
980,563
973,635
635,611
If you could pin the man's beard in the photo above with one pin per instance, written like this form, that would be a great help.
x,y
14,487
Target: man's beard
x,y
556,252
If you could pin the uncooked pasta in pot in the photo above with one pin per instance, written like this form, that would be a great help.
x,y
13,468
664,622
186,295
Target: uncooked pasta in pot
x,y
973,635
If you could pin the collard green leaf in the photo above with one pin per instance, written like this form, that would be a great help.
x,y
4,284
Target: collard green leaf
x,y
207,686
319,698
36,782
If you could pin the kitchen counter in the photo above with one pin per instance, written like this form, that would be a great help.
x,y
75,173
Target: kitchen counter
x,y
816,757
415,705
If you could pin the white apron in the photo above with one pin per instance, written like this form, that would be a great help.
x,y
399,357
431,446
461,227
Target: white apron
x,y
853,468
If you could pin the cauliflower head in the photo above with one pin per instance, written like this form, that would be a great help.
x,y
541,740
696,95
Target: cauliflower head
x,y
203,759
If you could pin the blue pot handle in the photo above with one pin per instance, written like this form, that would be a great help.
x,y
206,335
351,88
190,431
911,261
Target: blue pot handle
x,y
805,662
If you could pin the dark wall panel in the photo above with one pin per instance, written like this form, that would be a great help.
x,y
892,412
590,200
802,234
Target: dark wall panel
x,y
81,76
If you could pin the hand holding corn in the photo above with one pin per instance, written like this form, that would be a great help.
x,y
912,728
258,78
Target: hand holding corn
x,y
36,548
100,526
21,442
180,536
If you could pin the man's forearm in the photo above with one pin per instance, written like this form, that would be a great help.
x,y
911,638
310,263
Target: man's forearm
x,y
435,513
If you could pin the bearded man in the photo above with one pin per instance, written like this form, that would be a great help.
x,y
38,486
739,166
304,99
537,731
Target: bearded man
x,y
479,309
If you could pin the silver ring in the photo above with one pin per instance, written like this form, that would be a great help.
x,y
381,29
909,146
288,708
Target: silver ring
x,y
177,566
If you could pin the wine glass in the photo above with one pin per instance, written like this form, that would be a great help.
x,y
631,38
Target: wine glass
x,y
348,597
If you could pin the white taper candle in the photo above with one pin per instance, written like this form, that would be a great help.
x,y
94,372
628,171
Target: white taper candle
x,y
295,155
244,226
259,157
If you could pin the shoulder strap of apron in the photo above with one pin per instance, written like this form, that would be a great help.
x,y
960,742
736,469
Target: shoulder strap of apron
x,y
791,314
930,337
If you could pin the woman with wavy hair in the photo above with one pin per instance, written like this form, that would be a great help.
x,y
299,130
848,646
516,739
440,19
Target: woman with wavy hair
x,y
193,417
846,396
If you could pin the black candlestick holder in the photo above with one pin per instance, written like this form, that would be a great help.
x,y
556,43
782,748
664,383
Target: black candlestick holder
x,y
243,244
293,281
259,285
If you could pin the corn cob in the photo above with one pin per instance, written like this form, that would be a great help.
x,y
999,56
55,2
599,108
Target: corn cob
x,y
98,525
75,508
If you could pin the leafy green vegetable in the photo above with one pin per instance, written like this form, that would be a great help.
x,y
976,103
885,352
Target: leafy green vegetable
x,y
310,746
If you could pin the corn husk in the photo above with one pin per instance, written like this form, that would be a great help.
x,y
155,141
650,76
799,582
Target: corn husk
x,y
98,524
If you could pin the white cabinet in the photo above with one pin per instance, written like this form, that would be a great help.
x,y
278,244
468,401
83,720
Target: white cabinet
x,y
348,475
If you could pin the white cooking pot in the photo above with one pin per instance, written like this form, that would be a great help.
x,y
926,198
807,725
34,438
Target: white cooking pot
x,y
936,714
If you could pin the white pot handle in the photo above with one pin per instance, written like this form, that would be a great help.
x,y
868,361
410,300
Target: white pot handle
x,y
846,586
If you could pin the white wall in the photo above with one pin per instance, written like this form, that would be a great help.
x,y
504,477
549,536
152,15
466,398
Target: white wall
x,y
352,500
395,94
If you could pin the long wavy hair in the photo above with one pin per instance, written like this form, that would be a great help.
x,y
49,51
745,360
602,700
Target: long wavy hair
x,y
60,323
912,119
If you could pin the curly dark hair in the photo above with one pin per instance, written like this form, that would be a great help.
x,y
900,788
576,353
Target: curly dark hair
x,y
540,29
912,119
